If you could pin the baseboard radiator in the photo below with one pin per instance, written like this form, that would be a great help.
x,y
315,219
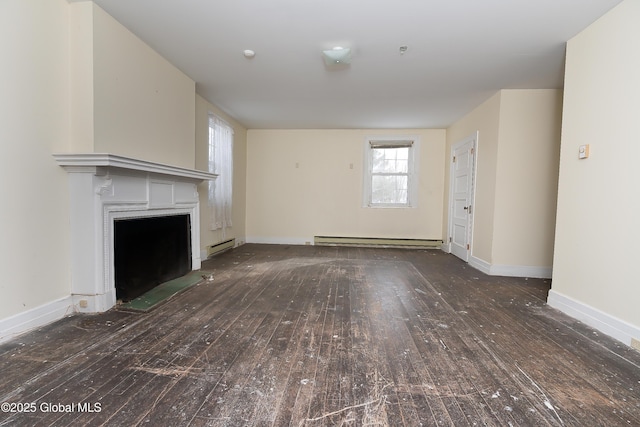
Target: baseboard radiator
x,y
377,242
220,247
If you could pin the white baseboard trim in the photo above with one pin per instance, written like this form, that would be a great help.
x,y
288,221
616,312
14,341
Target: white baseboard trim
x,y
480,264
280,240
28,320
510,270
521,271
605,323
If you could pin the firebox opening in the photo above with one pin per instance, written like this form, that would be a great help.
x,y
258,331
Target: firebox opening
x,y
150,251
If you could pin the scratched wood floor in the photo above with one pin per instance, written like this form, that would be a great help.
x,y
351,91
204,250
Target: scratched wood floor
x,y
319,336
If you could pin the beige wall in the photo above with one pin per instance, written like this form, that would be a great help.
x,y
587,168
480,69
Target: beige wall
x,y
126,99
527,177
597,235
516,180
238,229
34,219
144,107
81,120
77,82
486,121
300,183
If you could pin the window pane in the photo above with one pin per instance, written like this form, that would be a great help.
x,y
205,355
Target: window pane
x,y
389,189
390,160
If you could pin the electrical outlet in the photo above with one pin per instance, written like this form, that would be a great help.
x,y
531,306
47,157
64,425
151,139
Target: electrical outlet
x,y
583,151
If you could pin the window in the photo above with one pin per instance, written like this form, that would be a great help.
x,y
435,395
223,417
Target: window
x,y
390,179
220,163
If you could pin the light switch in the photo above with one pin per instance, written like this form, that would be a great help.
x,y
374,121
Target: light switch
x,y
583,151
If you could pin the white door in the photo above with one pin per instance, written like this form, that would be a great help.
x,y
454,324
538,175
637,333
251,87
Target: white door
x,y
460,202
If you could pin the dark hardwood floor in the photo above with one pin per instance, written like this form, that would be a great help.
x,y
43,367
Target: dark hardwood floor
x,y
317,336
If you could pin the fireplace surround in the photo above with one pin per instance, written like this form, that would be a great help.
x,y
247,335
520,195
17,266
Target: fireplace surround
x,y
105,188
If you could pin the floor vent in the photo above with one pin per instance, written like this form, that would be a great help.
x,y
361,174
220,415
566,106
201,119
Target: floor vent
x,y
377,242
220,247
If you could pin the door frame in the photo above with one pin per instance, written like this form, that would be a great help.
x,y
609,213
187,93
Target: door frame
x,y
473,138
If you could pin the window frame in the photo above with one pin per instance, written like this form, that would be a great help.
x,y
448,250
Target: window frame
x,y
376,142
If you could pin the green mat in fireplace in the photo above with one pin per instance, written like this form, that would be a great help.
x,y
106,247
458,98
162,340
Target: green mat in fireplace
x,y
163,292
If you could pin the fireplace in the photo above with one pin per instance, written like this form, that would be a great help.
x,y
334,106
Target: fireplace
x,y
150,251
112,196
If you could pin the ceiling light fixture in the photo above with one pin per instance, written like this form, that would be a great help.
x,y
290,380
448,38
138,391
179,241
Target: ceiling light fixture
x,y
336,56
249,53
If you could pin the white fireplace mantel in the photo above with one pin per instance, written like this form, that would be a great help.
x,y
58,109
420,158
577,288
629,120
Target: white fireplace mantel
x,y
105,188
81,161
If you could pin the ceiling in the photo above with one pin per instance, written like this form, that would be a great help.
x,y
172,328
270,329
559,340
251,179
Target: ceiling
x,y
459,53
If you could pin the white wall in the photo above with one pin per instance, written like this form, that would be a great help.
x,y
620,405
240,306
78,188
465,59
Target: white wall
x,y
34,106
300,184
595,274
